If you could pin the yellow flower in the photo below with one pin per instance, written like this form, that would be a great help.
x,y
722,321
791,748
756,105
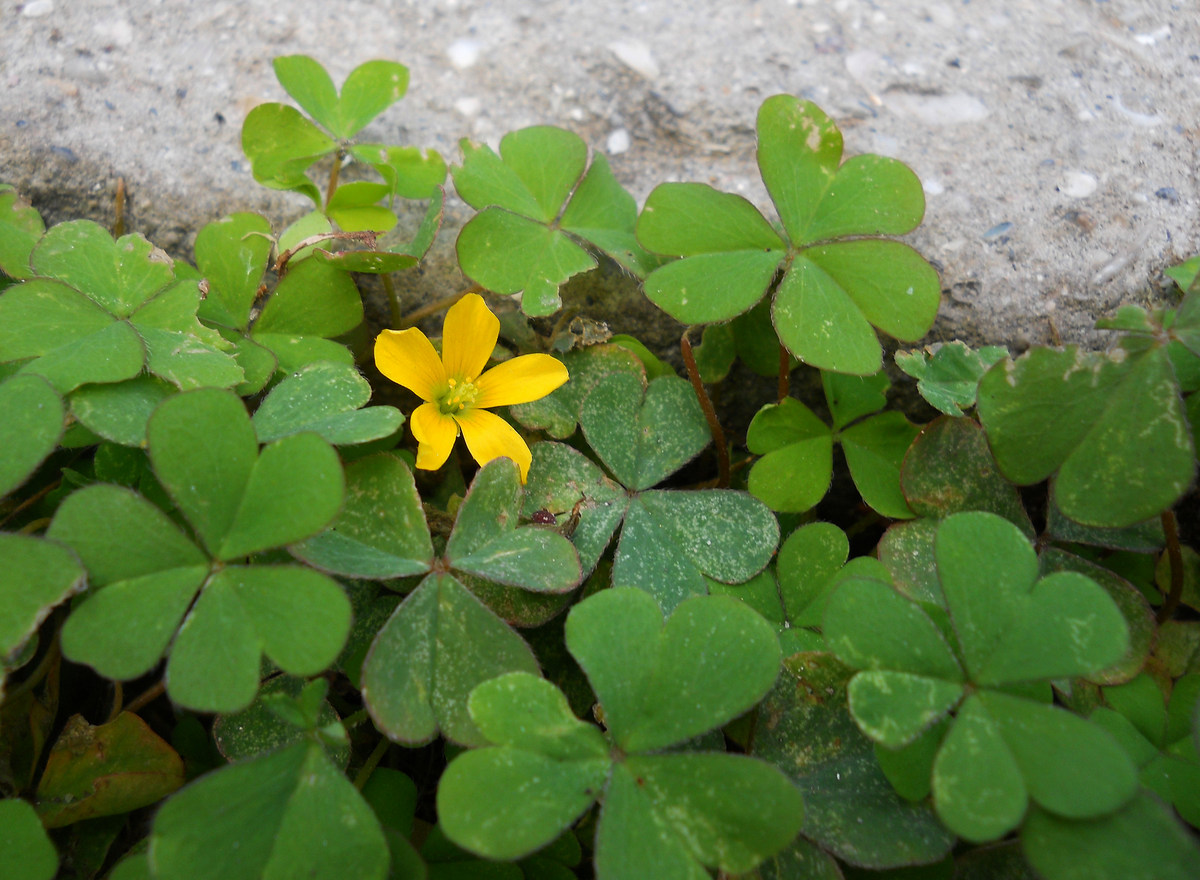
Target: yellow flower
x,y
456,391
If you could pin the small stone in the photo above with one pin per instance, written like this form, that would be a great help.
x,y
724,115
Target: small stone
x,y
635,55
953,109
37,8
997,231
1078,184
463,53
468,107
115,32
618,142
1168,193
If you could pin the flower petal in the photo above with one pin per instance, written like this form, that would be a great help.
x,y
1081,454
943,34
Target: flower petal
x,y
408,358
435,432
490,437
520,380
468,337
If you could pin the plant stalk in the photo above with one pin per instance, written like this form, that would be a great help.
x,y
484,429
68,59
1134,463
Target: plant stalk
x,y
119,209
371,763
333,179
393,299
149,695
710,414
1175,556
434,307
785,385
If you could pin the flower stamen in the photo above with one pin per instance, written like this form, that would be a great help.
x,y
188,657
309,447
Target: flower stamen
x,y
458,396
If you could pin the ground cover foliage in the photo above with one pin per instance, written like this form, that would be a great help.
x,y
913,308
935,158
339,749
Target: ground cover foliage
x,y
243,635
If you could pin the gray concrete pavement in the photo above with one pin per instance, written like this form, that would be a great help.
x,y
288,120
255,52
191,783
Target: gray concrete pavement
x,y
1058,140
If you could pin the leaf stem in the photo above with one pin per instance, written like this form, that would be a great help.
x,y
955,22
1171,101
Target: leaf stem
x,y
355,718
117,700
785,385
32,499
371,763
333,179
119,209
53,653
393,299
710,414
1175,555
149,695
434,307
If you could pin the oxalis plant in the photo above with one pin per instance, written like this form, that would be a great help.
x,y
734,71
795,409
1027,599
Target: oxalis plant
x,y
534,613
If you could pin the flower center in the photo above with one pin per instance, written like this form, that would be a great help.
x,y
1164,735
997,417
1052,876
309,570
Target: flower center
x,y
459,395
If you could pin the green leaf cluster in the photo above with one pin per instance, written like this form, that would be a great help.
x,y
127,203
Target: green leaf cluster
x,y
242,635
663,812
829,290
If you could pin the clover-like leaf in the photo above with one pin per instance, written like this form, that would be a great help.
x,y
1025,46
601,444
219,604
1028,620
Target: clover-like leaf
x,y
849,807
313,302
410,173
285,814
515,243
1003,749
948,376
558,412
643,440
556,764
32,427
808,560
232,254
1158,737
832,293
369,90
102,310
1139,617
1018,629
67,338
949,469
563,482
281,145
1002,626
327,399
205,452
645,674
442,640
20,228
239,502
672,542
796,466
258,730
487,543
874,449
24,840
104,770
1142,839
672,813
906,638
141,583
438,645
392,251
119,276
37,575
380,532
120,411
1109,427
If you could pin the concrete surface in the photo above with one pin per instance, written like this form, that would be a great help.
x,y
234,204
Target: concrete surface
x,y
1058,140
